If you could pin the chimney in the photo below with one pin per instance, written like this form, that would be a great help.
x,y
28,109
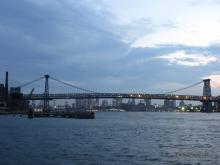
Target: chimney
x,y
6,86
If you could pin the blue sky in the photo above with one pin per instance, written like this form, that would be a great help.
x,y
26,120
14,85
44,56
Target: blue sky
x,y
110,45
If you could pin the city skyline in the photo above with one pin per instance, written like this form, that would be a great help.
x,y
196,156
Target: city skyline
x,y
109,82
110,45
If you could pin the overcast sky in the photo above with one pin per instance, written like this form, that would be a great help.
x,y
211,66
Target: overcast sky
x,y
111,45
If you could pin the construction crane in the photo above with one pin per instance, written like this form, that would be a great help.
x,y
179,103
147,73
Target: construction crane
x,y
31,93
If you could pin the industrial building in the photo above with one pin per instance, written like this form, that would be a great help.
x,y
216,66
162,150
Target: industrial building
x,y
11,100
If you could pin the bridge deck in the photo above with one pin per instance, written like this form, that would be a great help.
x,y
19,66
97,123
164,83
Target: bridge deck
x,y
118,95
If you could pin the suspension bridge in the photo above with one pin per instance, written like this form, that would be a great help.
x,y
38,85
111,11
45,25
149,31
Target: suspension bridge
x,y
207,99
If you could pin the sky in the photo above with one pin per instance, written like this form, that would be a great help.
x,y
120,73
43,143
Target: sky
x,y
110,45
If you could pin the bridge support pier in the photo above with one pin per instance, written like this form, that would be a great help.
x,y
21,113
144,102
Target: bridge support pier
x,y
46,94
206,104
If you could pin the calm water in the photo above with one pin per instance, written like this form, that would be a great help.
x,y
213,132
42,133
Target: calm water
x,y
112,138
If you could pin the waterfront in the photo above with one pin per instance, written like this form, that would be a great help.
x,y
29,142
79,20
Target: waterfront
x,y
112,138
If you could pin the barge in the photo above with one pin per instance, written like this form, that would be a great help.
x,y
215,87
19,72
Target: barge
x,y
58,114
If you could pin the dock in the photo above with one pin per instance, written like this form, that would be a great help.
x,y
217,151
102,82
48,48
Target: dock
x,y
55,114
78,115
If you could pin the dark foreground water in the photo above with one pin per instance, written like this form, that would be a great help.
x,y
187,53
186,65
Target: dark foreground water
x,y
112,138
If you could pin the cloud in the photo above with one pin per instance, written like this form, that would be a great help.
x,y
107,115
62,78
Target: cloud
x,y
201,34
56,37
81,42
131,31
191,26
215,80
188,59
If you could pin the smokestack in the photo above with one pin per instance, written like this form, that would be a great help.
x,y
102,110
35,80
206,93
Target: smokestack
x,y
6,86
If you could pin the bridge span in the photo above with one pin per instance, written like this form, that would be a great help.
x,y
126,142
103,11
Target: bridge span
x,y
119,95
82,93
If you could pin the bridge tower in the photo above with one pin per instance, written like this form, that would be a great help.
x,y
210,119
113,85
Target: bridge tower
x,y
206,104
46,93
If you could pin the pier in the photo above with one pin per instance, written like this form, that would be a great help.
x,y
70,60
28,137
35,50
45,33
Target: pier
x,y
58,114
78,115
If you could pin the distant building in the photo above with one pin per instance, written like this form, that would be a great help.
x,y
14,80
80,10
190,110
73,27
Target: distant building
x,y
73,105
169,104
97,102
67,106
113,103
104,103
148,103
2,92
80,104
54,103
117,102
216,107
2,97
181,104
133,101
85,104
94,103
16,101
140,106
15,90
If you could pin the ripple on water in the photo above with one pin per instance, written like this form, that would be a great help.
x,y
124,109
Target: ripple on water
x,y
112,138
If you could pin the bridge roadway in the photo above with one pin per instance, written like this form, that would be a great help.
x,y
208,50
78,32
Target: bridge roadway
x,y
119,95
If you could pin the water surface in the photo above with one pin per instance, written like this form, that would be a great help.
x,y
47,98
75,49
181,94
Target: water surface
x,y
112,138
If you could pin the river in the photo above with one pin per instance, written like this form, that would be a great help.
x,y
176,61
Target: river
x,y
112,138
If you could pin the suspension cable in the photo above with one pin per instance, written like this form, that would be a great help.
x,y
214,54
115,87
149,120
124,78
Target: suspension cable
x,y
28,83
181,89
71,85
